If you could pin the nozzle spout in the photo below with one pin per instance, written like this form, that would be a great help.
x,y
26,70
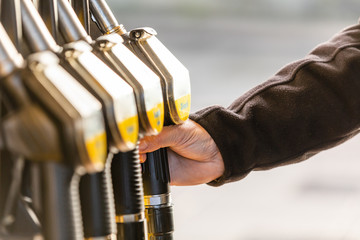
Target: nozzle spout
x,y
49,13
11,20
9,57
36,33
105,17
70,26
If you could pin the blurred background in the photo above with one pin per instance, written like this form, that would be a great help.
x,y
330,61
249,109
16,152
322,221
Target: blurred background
x,y
230,46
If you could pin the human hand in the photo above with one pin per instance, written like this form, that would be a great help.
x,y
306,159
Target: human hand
x,y
193,155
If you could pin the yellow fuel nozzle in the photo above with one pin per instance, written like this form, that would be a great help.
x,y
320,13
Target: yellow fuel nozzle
x,y
116,96
145,83
80,114
173,74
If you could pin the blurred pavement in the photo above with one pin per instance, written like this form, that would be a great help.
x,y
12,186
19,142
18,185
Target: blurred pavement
x,y
228,51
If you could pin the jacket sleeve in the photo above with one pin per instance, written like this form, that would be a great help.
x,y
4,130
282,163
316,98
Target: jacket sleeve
x,y
308,106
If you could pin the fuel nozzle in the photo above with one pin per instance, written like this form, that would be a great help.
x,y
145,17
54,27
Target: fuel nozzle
x,y
126,170
176,91
175,84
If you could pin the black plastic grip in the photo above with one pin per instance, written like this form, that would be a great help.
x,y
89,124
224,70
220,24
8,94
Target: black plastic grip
x,y
156,179
97,204
61,216
127,183
156,176
129,195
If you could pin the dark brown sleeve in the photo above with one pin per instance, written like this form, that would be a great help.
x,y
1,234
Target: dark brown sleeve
x,y
310,105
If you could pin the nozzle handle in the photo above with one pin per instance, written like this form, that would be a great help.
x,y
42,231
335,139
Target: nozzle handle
x,y
126,176
70,26
35,31
156,176
105,17
97,204
61,215
128,193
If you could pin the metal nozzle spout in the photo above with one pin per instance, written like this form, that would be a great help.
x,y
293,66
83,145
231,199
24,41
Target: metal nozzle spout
x,y
70,26
11,20
9,57
35,31
81,8
105,18
49,13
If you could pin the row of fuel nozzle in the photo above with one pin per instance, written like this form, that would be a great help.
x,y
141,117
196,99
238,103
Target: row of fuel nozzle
x,y
78,91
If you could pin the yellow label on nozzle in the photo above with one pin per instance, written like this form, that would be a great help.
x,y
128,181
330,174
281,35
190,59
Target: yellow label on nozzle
x,y
156,117
97,149
183,106
129,130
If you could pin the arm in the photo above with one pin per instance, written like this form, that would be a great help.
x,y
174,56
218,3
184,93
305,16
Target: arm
x,y
310,105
